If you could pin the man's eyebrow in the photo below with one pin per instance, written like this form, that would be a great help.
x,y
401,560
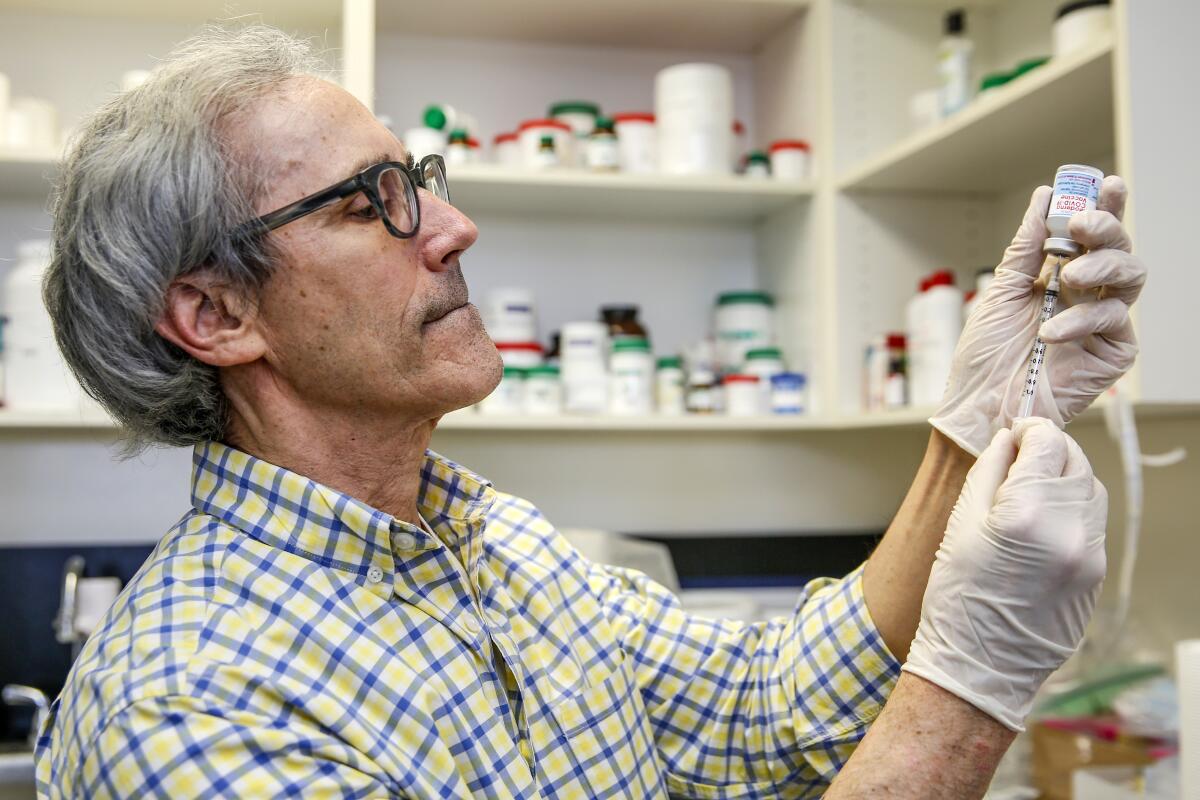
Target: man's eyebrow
x,y
371,161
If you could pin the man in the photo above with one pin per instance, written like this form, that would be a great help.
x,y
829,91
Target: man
x,y
247,262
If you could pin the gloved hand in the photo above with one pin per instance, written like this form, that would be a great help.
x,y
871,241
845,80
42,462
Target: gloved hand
x,y
1017,575
1091,340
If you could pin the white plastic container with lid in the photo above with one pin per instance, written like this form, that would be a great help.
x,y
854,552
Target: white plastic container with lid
x,y
445,118
458,149
637,142
670,392
789,393
631,378
582,347
522,355
530,133
743,321
789,159
1081,24
581,116
424,141
506,150
940,327
36,377
602,153
542,393
743,397
506,398
693,104
766,363
510,315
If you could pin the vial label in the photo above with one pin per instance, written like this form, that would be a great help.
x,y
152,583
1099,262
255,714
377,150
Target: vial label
x,y
1074,192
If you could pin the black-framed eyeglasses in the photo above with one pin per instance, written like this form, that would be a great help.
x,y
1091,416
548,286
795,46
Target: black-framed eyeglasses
x,y
390,187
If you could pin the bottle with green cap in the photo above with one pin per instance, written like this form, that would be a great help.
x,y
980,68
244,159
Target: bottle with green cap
x,y
601,153
458,151
743,321
631,377
670,390
543,393
764,363
505,399
446,118
581,116
547,156
758,164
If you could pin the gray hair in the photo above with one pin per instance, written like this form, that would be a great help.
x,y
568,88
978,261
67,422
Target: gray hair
x,y
149,193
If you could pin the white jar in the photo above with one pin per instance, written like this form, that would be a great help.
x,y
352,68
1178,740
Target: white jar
x,y
582,349
506,150
36,377
506,398
693,104
530,134
637,142
935,322
743,321
758,165
789,393
603,153
631,378
522,355
765,363
542,393
510,315
743,397
669,390
789,159
581,116
424,141
1081,24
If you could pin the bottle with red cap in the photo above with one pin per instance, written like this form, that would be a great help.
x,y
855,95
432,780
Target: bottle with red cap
x,y
895,385
934,324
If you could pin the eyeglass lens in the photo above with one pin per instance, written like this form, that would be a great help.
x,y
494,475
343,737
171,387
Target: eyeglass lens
x,y
394,192
434,176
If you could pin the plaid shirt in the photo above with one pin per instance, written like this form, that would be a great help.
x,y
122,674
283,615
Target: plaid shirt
x,y
286,639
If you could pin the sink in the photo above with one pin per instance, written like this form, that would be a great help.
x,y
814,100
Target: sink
x,y
16,773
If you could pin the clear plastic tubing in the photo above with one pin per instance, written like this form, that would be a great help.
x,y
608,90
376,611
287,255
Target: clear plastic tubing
x,y
1076,189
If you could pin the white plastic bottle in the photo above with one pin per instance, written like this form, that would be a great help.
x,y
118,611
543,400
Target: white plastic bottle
x,y
941,325
954,63
631,378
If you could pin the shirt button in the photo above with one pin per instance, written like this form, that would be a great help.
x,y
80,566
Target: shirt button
x,y
471,624
404,541
374,574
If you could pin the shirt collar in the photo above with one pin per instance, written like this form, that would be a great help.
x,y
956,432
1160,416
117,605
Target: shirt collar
x,y
286,510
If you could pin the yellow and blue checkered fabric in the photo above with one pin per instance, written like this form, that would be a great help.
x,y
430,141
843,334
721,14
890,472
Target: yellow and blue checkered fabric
x,y
285,639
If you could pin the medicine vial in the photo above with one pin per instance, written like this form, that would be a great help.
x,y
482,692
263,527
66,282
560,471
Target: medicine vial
x,y
1076,188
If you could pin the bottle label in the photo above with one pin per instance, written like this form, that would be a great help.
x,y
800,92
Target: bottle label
x,y
1074,192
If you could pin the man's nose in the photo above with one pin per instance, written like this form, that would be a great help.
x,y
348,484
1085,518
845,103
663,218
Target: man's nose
x,y
447,233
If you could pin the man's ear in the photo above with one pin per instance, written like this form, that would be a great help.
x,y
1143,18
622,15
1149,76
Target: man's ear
x,y
211,322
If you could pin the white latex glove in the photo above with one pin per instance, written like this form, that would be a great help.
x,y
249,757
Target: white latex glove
x,y
1090,341
1017,574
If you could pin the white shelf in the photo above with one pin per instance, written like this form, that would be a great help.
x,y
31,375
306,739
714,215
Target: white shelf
x,y
1059,113
313,15
44,420
738,26
26,175
483,188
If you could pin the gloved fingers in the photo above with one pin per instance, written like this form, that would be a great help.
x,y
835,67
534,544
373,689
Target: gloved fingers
x,y
1025,254
1108,318
1118,273
1112,196
986,475
1099,230
1041,449
1077,465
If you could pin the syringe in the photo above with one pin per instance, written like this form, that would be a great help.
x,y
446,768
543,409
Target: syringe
x,y
1038,356
1076,188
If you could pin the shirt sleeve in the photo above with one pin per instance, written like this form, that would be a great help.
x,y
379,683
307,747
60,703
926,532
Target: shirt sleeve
x,y
179,747
752,709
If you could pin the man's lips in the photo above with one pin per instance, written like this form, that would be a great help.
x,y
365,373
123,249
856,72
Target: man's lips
x,y
446,314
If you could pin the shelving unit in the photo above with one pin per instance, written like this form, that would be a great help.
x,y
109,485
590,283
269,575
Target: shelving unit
x,y
841,253
1001,137
485,188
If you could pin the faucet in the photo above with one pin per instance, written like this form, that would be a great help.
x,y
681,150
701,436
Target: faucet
x,y
15,694
64,622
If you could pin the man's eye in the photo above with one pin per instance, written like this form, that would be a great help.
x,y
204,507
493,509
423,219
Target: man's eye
x,y
364,212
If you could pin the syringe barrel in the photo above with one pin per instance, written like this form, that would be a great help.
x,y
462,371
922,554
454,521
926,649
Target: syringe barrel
x,y
1076,188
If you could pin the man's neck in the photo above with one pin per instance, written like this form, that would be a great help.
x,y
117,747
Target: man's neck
x,y
375,459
